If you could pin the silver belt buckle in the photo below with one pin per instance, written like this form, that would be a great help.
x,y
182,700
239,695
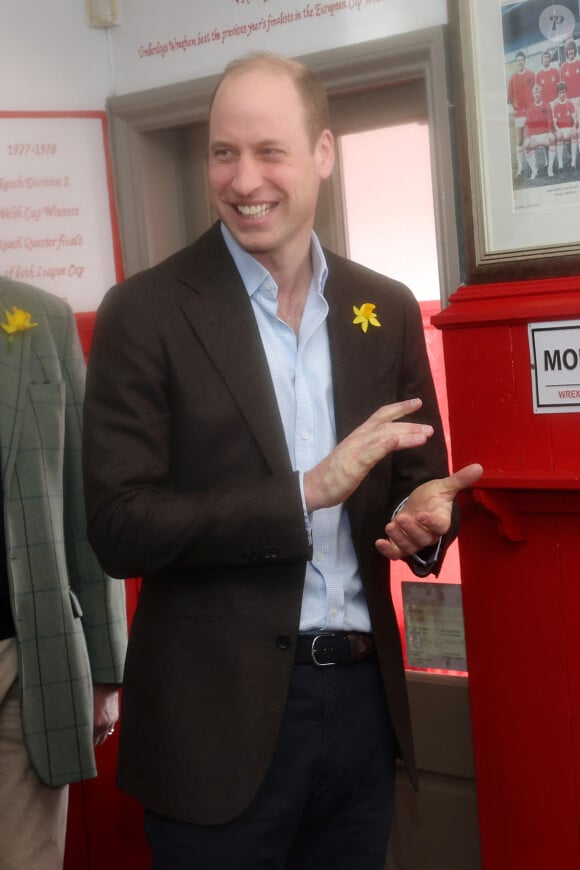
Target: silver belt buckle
x,y
313,652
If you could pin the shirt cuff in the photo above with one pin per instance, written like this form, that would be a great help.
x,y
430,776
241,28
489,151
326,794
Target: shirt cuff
x,y
307,516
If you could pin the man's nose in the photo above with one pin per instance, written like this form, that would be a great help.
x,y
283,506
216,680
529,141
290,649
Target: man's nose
x,y
247,176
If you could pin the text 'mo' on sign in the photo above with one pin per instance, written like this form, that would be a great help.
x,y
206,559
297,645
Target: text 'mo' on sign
x,y
555,366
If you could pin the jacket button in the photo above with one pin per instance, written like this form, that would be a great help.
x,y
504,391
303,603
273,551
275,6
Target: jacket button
x,y
283,642
270,553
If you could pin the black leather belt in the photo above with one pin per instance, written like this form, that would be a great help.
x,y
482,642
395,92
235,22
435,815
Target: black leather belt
x,y
333,648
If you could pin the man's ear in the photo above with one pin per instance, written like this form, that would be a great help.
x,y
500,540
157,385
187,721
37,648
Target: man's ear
x,y
324,150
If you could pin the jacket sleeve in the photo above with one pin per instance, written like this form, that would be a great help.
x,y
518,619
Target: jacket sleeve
x,y
153,507
412,468
101,599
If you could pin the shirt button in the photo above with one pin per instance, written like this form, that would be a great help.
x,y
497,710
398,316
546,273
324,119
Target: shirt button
x,y
305,435
333,611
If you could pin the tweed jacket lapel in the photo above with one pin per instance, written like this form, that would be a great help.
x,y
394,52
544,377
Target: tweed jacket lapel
x,y
220,313
14,366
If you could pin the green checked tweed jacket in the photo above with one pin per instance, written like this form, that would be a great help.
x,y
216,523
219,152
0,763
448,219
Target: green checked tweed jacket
x,y
70,618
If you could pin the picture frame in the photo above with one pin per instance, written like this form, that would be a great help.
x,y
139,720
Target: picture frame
x,y
520,212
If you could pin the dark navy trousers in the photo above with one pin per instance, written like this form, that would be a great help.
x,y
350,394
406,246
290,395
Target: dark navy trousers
x,y
327,800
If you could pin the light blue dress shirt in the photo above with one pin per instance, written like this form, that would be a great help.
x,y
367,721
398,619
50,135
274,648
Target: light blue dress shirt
x,y
333,598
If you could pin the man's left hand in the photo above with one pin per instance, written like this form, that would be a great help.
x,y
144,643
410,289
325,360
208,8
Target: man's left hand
x,y
426,515
106,702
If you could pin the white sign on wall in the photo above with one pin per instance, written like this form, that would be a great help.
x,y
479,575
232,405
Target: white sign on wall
x,y
161,43
57,219
555,366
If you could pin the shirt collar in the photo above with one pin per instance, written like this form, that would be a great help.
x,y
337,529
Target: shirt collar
x,y
253,274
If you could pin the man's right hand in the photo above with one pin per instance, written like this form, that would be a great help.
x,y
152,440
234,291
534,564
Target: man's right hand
x,y
334,479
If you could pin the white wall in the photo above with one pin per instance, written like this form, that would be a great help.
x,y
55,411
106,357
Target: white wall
x,y
50,59
178,40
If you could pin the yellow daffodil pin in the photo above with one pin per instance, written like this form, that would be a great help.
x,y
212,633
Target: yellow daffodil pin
x,y
365,315
18,321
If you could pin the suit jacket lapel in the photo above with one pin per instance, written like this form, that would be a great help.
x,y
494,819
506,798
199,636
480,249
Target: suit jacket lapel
x,y
14,364
360,366
355,357
220,313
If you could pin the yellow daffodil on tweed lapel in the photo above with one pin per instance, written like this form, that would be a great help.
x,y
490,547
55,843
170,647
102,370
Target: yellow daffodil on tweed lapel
x,y
18,321
365,315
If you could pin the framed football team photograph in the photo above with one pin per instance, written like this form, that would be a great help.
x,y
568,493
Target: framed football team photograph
x,y
516,93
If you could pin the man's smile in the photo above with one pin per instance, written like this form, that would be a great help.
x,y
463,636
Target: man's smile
x,y
256,210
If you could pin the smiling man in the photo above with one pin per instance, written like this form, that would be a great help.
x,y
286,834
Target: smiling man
x,y
262,437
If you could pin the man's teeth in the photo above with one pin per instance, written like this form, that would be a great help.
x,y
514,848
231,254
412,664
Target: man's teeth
x,y
255,210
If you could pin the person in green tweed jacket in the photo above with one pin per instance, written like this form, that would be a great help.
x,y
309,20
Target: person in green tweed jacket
x,y
63,625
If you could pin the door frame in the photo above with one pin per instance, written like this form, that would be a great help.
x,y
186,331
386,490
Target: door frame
x,y
151,147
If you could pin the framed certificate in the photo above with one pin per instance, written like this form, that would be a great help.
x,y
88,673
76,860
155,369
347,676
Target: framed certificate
x,y
58,226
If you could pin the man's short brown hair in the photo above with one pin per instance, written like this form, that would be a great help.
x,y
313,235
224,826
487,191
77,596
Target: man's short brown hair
x,y
307,83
